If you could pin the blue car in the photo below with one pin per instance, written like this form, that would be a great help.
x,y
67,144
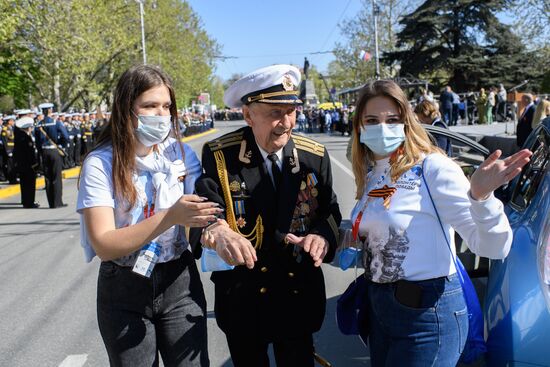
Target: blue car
x,y
517,295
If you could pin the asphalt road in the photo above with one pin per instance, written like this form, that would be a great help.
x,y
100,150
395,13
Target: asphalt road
x,y
49,292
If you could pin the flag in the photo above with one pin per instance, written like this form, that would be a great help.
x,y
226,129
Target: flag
x,y
364,55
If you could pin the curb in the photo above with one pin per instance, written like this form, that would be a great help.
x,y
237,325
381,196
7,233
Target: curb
x,y
12,190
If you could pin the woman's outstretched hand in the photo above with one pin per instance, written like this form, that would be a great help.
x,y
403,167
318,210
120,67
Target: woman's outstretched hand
x,y
493,173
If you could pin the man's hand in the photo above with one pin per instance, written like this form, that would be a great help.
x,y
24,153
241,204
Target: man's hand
x,y
315,245
207,238
233,248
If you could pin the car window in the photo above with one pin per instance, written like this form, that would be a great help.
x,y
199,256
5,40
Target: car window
x,y
529,180
465,155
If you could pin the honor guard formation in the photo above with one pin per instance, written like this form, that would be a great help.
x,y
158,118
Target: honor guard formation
x,y
41,142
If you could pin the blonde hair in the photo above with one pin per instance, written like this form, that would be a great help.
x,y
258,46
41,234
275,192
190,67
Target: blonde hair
x,y
427,109
417,141
542,111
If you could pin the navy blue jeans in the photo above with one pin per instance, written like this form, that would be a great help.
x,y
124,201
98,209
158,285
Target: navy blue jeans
x,y
139,317
432,334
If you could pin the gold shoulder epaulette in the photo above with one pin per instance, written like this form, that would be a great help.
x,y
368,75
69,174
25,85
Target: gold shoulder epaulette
x,y
226,141
308,145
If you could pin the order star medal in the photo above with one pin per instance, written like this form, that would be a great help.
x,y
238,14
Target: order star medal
x,y
239,211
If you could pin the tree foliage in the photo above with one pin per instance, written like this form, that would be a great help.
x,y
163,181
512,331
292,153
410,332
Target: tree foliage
x,y
463,39
349,70
72,52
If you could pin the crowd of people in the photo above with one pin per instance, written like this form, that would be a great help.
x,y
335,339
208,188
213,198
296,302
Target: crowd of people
x,y
261,198
42,142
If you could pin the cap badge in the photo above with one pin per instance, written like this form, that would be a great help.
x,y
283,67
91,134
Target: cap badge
x,y
287,83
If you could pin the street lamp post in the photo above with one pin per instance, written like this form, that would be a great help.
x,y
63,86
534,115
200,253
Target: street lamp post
x,y
142,31
375,13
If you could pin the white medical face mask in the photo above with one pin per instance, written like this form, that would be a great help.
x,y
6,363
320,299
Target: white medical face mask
x,y
383,139
152,130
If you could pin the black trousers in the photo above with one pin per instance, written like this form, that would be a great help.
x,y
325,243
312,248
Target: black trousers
x,y
76,151
139,317
289,352
11,173
27,182
53,165
2,164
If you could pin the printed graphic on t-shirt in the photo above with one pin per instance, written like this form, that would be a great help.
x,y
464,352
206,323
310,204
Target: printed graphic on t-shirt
x,y
385,254
410,180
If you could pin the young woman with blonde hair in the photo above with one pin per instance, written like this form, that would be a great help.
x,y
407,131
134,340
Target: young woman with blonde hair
x,y
416,309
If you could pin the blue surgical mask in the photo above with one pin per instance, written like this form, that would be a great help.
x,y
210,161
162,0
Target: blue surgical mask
x,y
383,139
152,130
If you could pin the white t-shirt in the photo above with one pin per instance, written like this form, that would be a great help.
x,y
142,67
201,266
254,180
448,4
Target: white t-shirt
x,y
96,189
405,240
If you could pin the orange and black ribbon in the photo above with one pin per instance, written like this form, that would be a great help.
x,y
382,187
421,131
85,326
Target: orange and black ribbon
x,y
385,193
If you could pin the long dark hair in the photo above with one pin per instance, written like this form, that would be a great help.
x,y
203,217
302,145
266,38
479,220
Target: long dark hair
x,y
119,130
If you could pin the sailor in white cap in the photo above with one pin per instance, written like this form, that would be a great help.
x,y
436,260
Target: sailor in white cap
x,y
281,222
87,129
51,136
7,137
26,159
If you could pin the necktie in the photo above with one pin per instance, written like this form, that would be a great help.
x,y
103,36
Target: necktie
x,y
275,171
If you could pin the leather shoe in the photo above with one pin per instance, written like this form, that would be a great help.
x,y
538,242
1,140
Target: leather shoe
x,y
32,206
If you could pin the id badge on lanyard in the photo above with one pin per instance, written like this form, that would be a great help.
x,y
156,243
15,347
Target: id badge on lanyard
x,y
147,259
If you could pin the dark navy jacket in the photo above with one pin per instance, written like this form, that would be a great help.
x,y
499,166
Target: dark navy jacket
x,y
55,130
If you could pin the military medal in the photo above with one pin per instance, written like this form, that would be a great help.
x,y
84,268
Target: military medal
x,y
241,222
239,210
234,186
304,208
311,179
303,186
302,225
314,192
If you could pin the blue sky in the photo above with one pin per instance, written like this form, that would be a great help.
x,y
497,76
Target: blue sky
x,y
265,32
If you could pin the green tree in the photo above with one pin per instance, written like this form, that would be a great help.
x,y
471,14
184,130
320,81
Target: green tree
x,y
358,33
532,25
13,83
177,42
463,39
216,92
72,52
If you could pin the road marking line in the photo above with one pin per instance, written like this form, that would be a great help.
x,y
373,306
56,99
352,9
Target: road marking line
x,y
74,360
341,165
192,137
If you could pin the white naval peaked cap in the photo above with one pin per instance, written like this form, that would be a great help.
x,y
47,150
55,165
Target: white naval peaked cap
x,y
272,84
24,122
45,105
24,112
